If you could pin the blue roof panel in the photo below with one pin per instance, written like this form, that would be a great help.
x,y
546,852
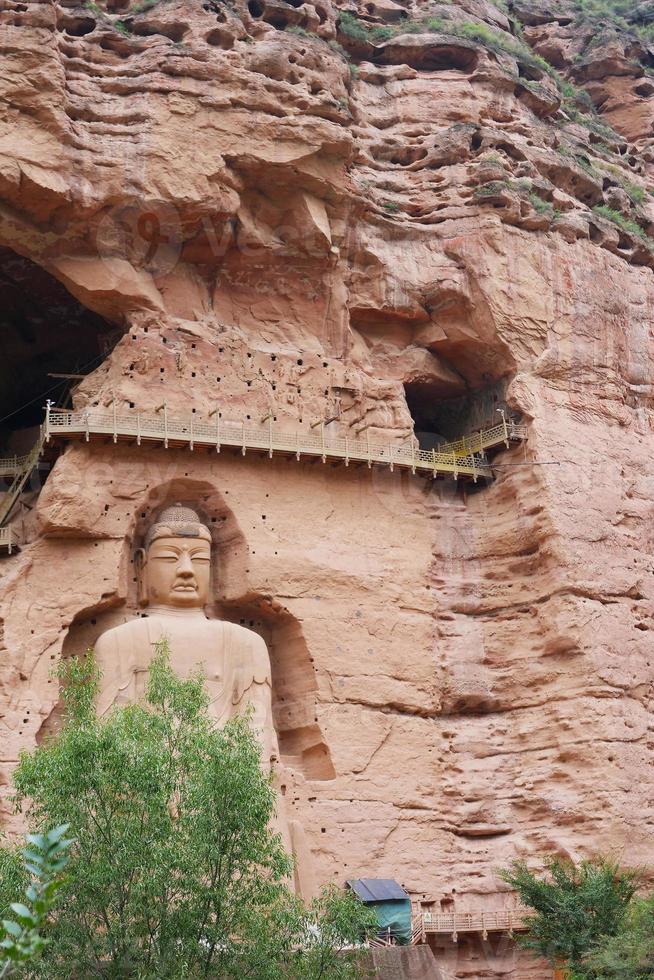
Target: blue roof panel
x,y
378,890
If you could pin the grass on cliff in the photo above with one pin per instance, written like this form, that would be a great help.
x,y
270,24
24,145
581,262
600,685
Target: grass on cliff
x,y
625,224
576,101
523,187
592,122
495,40
334,45
623,15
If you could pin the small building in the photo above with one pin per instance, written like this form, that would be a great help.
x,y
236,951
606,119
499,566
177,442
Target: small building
x,y
391,903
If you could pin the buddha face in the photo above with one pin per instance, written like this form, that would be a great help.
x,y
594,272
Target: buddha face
x,y
176,571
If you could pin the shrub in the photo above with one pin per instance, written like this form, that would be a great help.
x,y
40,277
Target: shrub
x,y
538,204
573,906
141,8
352,26
296,29
635,192
629,955
491,188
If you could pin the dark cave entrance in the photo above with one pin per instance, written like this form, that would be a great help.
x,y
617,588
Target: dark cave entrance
x,y
438,419
44,331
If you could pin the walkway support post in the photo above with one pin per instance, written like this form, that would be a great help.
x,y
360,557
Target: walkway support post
x,y
217,414
48,407
164,406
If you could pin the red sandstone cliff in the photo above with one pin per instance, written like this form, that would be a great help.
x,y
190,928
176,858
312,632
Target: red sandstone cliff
x,y
283,213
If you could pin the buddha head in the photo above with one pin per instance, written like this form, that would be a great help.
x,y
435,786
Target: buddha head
x,y
174,564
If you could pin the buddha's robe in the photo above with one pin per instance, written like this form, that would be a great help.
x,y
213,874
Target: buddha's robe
x,y
236,667
233,660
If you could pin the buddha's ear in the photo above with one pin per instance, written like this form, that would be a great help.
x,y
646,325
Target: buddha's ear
x,y
141,584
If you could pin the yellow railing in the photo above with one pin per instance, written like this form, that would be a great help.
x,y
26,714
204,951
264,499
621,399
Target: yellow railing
x,y
190,431
453,923
506,431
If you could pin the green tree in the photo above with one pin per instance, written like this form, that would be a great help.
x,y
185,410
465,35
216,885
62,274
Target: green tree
x,y
629,955
174,871
574,906
44,860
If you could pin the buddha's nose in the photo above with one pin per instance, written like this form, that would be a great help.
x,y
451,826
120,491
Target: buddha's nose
x,y
185,567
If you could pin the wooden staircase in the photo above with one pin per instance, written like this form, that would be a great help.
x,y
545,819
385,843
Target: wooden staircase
x,y
20,467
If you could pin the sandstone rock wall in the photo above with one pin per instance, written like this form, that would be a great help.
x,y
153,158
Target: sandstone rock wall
x,y
283,218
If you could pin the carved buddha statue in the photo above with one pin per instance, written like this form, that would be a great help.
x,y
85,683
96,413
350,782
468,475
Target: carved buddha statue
x,y
173,574
173,570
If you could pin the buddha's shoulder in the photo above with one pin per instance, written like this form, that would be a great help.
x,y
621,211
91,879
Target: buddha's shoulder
x,y
240,635
135,628
251,648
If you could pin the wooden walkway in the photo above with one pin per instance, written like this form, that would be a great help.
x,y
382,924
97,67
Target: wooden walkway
x,y
190,432
461,460
454,923
6,540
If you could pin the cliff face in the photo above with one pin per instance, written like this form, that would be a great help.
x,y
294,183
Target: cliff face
x,y
281,209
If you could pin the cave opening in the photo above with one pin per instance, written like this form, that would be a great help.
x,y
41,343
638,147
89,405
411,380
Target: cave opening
x,y
46,336
438,419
